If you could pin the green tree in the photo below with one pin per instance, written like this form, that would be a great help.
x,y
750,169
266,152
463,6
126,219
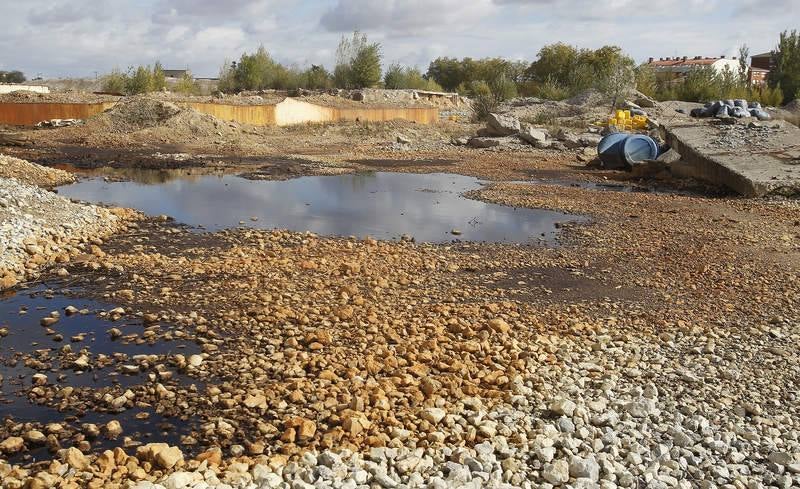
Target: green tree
x,y
358,62
317,77
14,76
447,72
786,74
744,55
255,71
399,77
187,85
139,80
115,82
646,80
158,80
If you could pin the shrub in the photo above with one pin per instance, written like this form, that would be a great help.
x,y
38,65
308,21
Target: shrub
x,y
397,77
15,76
187,85
114,82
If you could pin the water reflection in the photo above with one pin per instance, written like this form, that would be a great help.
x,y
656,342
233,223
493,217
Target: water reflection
x,y
383,205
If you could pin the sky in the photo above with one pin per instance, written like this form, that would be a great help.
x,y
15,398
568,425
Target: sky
x,y
81,38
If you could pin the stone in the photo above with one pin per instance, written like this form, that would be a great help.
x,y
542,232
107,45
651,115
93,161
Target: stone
x,y
12,444
75,459
502,124
586,468
113,429
178,480
564,407
556,473
499,325
533,136
484,142
35,436
433,415
195,360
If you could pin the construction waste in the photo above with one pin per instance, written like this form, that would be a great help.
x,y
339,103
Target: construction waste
x,y
58,123
723,109
505,130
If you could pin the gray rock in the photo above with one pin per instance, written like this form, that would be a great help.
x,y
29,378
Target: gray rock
x,y
502,124
587,468
557,472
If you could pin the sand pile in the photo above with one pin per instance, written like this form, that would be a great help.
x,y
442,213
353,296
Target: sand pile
x,y
33,174
144,113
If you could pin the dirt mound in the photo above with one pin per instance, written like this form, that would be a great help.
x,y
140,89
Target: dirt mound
x,y
33,174
144,113
793,106
68,97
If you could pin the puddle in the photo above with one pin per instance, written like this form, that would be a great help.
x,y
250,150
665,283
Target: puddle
x,y
27,349
382,205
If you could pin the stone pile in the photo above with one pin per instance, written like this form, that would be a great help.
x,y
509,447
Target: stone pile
x,y
506,130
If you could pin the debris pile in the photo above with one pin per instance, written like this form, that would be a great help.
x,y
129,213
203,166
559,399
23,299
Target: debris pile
x,y
506,130
32,174
58,123
739,108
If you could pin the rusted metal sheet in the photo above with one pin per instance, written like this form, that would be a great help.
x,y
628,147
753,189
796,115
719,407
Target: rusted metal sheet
x,y
29,114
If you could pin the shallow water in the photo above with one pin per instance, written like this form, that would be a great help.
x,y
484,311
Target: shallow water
x,y
20,314
382,205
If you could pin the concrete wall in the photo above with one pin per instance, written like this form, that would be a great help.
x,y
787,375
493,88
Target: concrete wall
x,y
13,87
31,114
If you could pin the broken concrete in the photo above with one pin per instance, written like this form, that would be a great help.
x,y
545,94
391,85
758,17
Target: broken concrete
x,y
753,160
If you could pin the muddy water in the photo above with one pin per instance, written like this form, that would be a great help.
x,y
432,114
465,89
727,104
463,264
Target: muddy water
x,y
427,207
28,348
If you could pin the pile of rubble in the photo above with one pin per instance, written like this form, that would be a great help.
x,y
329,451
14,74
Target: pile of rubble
x,y
507,130
58,123
39,228
32,174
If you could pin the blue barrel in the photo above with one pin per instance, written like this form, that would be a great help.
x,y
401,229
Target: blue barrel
x,y
637,147
610,150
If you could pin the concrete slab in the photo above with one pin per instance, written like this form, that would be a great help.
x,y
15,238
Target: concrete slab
x,y
752,159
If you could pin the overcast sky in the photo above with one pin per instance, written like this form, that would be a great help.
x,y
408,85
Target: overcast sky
x,y
80,37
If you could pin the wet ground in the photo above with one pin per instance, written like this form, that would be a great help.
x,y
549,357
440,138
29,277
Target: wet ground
x,y
28,348
427,207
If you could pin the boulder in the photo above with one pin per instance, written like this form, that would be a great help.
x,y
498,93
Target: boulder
x,y
533,136
502,124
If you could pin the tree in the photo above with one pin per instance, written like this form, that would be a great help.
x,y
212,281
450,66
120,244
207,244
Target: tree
x,y
158,81
15,76
646,81
317,77
358,62
786,74
187,85
115,82
744,55
447,72
365,69
399,77
139,80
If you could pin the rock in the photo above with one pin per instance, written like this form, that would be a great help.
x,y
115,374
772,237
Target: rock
x,y
502,124
12,444
75,459
35,437
533,136
195,360
178,480
643,100
113,429
586,468
433,415
483,142
402,139
499,325
556,473
563,407
781,458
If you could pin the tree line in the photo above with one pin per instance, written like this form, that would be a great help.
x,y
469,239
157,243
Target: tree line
x,y
14,76
559,71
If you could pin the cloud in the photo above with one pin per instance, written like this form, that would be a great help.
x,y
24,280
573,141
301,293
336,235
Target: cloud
x,y
70,12
403,17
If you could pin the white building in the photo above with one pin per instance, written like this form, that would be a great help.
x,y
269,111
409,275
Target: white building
x,y
674,68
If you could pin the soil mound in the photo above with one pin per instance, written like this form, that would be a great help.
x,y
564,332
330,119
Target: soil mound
x,y
793,106
33,174
143,113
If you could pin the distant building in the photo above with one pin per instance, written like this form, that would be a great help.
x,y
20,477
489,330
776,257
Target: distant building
x,y
760,66
674,69
176,73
